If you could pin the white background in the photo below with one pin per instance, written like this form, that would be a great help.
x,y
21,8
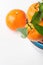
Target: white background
x,y
13,49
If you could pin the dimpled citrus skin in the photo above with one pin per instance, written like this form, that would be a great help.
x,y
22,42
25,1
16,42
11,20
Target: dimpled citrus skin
x,y
16,19
33,33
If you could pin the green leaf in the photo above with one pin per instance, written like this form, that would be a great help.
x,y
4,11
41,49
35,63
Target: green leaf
x,y
41,15
24,32
36,17
41,7
35,21
38,28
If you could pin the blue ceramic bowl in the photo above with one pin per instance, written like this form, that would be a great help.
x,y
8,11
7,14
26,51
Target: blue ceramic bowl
x,y
38,44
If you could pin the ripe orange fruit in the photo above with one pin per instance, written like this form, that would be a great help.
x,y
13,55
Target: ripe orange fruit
x,y
16,19
33,33
31,10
